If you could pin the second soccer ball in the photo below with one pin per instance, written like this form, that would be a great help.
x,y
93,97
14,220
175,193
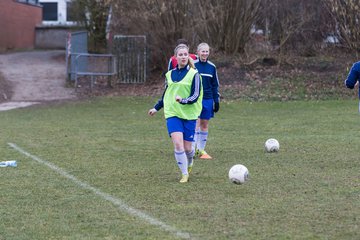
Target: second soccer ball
x,y
272,145
238,174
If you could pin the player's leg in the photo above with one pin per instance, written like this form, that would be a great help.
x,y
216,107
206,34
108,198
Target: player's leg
x,y
196,137
206,114
179,152
189,130
204,133
175,129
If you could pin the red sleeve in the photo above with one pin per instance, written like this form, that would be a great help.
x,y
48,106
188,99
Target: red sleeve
x,y
193,56
173,62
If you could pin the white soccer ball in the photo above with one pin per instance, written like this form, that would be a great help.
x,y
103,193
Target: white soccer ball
x,y
272,145
238,174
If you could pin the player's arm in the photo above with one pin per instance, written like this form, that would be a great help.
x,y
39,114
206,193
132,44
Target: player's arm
x,y
215,91
169,64
159,105
353,76
195,91
194,57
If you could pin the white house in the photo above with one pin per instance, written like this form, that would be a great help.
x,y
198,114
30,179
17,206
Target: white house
x,y
56,12
57,22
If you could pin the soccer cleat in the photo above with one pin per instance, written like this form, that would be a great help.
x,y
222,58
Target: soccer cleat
x,y
197,153
204,155
190,168
184,178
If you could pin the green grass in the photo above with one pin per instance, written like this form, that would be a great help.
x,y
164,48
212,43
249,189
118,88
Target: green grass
x,y
310,189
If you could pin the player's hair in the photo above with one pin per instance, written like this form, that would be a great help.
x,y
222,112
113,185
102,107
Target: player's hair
x,y
201,45
180,46
182,41
191,62
183,46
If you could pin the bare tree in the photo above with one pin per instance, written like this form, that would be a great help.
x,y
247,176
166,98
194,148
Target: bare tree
x,y
162,21
294,26
93,14
347,18
226,25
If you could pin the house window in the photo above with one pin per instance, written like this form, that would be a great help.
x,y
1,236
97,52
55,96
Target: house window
x,y
50,11
33,2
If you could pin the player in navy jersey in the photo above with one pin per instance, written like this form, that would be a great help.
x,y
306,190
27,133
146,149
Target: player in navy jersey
x,y
211,99
353,78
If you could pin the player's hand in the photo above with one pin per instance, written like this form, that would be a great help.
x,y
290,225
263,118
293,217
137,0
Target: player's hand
x,y
216,107
152,112
178,98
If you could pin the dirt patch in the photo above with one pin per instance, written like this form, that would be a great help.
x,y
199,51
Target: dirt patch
x,y
36,76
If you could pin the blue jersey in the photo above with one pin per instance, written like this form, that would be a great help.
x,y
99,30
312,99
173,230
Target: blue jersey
x,y
354,76
210,79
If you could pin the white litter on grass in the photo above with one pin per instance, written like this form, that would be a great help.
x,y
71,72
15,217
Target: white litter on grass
x,y
13,105
122,206
11,163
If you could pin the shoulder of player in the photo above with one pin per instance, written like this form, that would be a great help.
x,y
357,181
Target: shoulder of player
x,y
208,65
357,64
211,63
193,56
173,58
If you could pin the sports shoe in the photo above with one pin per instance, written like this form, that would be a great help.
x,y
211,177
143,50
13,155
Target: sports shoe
x,y
197,153
184,178
190,168
204,155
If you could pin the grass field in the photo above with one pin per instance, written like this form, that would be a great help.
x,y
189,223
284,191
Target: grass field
x,y
103,169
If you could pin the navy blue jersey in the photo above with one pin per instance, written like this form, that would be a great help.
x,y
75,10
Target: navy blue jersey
x,y
210,79
354,76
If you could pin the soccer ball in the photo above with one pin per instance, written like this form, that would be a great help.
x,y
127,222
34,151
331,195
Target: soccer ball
x,y
272,145
238,174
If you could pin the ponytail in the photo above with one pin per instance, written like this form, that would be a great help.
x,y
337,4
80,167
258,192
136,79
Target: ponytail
x,y
191,63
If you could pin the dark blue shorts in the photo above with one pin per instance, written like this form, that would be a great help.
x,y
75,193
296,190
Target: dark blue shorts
x,y
207,109
187,127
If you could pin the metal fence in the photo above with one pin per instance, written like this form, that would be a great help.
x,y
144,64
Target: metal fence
x,y
130,54
97,65
76,43
127,61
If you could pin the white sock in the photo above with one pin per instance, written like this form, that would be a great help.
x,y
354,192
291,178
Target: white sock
x,y
182,162
202,140
190,157
196,140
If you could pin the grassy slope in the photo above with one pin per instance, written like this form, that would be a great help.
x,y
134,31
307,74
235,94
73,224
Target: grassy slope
x,y
319,77
309,190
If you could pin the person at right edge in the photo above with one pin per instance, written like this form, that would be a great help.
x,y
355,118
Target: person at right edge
x,y
210,102
353,78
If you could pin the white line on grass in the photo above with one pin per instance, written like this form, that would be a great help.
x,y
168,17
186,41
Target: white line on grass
x,y
116,201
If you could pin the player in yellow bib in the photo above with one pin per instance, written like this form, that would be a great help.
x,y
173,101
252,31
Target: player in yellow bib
x,y
182,103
